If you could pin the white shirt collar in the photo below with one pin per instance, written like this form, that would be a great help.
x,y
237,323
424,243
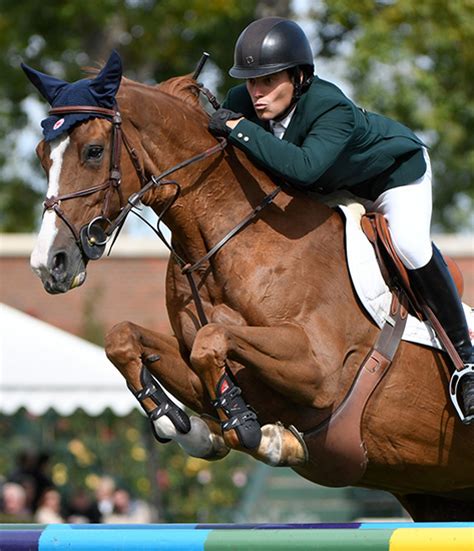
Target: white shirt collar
x,y
279,127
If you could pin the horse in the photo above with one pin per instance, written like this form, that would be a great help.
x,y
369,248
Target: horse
x,y
267,313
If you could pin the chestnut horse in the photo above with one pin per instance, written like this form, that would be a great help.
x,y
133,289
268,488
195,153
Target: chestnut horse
x,y
281,312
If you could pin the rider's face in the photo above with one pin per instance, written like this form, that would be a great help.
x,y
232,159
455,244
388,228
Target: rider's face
x,y
271,95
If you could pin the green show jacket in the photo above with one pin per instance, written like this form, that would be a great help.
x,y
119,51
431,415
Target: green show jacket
x,y
330,144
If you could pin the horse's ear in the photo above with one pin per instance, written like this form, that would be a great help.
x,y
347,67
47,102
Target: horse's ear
x,y
47,85
106,84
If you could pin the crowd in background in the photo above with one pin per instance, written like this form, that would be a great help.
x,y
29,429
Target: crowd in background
x,y
28,494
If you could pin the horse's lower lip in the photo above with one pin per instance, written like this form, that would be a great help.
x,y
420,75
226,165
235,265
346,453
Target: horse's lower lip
x,y
55,287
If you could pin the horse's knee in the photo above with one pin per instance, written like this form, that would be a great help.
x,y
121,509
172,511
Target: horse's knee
x,y
210,347
121,343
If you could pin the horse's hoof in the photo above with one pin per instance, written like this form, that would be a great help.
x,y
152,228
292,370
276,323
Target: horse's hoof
x,y
159,438
281,447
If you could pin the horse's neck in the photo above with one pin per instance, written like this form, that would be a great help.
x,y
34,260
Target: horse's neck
x,y
219,191
216,192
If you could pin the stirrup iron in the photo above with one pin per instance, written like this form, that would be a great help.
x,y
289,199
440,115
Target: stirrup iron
x,y
453,392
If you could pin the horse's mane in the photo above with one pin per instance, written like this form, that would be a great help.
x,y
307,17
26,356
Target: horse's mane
x,y
184,87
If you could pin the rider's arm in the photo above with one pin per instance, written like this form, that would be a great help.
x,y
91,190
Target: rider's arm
x,y
302,165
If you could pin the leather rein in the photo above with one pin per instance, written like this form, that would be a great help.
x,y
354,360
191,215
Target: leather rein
x,y
92,237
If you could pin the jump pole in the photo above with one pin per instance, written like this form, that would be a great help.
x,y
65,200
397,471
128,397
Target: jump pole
x,y
457,536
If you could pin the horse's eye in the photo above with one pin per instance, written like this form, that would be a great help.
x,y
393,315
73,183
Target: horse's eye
x,y
94,152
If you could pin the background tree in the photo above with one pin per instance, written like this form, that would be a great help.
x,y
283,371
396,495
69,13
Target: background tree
x,y
156,40
413,61
409,60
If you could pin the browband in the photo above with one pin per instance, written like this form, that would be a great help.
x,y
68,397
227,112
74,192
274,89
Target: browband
x,y
89,109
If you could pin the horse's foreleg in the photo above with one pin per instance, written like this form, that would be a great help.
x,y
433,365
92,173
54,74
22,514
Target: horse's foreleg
x,y
280,357
141,356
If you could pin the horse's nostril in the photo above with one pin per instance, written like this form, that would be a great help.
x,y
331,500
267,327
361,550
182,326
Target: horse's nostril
x,y
59,265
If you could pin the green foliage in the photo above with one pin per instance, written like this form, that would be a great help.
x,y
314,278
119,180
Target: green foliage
x,y
85,448
410,60
18,205
413,61
156,40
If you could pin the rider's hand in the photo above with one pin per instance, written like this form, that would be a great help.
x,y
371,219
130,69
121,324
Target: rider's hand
x,y
217,123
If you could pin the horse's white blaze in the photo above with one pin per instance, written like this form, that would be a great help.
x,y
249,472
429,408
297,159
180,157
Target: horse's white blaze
x,y
48,230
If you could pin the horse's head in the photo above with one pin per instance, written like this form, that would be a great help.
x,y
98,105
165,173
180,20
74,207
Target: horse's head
x,y
80,154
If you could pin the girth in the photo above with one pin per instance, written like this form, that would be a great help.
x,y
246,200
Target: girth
x,y
337,447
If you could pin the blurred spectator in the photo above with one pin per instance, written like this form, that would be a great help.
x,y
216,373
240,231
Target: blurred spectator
x,y
13,504
22,474
128,511
49,508
104,495
82,509
31,473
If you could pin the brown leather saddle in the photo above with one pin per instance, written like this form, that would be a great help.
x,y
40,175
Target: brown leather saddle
x,y
396,276
375,227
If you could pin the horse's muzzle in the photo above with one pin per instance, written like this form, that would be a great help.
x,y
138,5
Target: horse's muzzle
x,y
64,271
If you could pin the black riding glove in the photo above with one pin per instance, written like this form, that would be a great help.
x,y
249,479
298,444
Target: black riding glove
x,y
217,123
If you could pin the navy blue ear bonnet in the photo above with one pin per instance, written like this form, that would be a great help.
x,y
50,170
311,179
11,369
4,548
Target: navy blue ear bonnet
x,y
97,92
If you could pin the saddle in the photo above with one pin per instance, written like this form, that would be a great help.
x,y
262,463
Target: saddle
x,y
375,227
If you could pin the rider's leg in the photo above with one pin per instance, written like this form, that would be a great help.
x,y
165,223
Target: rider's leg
x,y
408,212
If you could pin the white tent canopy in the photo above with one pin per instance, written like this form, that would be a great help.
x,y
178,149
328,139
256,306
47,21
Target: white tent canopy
x,y
43,367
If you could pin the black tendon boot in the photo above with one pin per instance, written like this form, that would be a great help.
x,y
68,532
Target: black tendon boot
x,y
151,388
241,417
436,287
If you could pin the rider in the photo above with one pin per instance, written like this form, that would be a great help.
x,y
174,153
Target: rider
x,y
306,131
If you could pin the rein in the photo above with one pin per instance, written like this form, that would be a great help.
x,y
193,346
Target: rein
x,y
92,237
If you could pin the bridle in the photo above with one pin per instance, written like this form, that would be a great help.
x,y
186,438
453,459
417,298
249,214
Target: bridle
x,y
93,236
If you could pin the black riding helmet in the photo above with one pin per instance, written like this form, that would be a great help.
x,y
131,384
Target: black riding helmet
x,y
270,45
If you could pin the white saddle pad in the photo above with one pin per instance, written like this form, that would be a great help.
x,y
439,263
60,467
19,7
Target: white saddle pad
x,y
370,285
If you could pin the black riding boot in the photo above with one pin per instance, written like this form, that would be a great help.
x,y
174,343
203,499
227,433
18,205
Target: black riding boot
x,y
436,287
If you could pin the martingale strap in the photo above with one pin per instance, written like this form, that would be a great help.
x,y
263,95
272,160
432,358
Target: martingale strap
x,y
188,269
